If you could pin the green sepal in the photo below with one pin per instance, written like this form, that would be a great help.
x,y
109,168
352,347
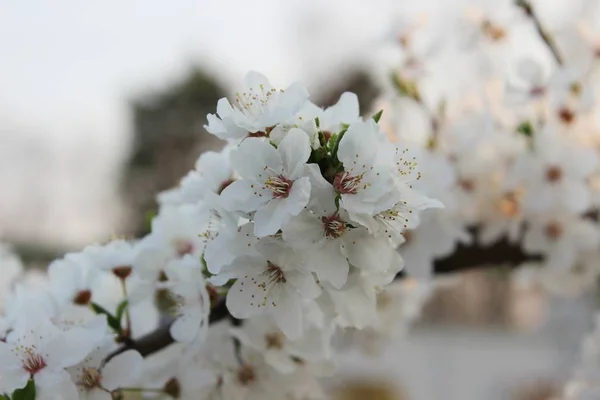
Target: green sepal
x,y
26,393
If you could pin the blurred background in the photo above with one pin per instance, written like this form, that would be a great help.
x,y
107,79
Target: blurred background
x,y
102,106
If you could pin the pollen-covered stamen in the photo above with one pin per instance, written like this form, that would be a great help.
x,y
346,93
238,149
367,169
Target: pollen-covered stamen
x,y
246,374
279,185
345,183
275,273
407,164
253,102
334,226
31,360
274,340
90,378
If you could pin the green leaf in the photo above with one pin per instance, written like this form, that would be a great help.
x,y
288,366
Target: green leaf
x,y
26,393
525,128
334,157
149,217
4,397
377,116
317,122
113,322
121,310
406,87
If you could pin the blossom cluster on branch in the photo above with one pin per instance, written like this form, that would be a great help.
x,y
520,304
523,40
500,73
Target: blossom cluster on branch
x,y
292,229
509,144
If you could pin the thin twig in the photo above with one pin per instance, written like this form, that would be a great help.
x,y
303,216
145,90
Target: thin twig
x,y
545,36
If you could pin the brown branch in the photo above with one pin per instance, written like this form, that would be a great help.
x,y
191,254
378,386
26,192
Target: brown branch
x,y
160,338
464,257
544,35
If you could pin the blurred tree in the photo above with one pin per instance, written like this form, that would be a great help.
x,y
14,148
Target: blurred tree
x,y
356,81
168,138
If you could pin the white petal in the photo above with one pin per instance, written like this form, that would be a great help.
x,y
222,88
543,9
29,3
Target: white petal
x,y
575,195
294,150
97,394
122,370
256,80
330,264
256,159
304,283
248,296
359,145
244,196
303,230
281,361
185,328
55,385
270,218
70,348
290,102
346,110
370,252
288,314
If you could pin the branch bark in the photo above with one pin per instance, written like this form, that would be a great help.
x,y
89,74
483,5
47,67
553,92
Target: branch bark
x,y
463,258
544,35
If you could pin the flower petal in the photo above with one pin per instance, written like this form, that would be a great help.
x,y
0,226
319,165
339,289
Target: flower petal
x,y
122,370
244,196
294,150
256,159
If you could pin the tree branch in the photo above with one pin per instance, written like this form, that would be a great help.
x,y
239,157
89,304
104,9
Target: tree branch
x,y
546,37
464,257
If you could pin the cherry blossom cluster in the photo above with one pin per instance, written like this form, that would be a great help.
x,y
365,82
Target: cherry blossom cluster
x,y
265,253
508,142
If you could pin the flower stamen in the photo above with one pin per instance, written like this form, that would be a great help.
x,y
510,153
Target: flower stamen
x,y
279,185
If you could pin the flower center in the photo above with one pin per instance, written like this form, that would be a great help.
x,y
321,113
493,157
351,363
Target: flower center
x,y
279,185
334,226
275,273
467,185
82,298
172,388
246,374
274,340
566,115
553,231
492,31
345,183
33,362
122,272
90,378
537,91
509,205
553,174
183,247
